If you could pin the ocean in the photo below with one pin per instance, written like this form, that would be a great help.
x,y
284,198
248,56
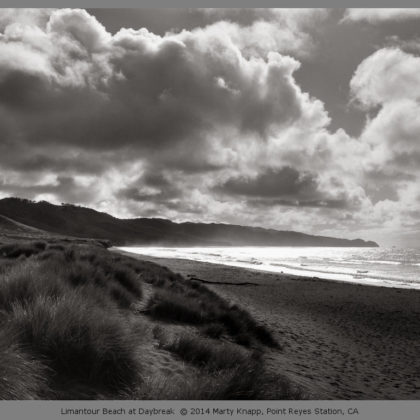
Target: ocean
x,y
391,267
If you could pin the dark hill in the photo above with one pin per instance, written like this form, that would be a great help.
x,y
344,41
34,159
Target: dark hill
x,y
87,223
12,227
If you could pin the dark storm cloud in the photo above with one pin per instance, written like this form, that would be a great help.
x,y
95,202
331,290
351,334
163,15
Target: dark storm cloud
x,y
22,91
82,164
178,85
138,89
327,204
133,193
18,156
156,180
286,182
286,186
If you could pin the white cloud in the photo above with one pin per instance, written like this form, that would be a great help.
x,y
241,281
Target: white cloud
x,y
389,79
258,31
77,25
381,15
385,76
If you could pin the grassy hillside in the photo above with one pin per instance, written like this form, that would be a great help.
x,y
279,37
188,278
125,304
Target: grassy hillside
x,y
11,227
80,322
83,222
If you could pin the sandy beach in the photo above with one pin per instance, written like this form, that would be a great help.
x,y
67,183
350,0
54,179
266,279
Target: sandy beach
x,y
339,340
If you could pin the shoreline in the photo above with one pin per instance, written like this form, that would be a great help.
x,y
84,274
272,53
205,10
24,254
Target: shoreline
x,y
253,267
340,340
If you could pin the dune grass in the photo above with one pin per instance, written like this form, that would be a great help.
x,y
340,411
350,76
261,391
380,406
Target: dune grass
x,y
22,377
90,350
208,354
69,329
246,381
26,249
67,315
202,307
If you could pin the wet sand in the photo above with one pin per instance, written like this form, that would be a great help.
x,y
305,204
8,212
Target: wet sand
x,y
340,340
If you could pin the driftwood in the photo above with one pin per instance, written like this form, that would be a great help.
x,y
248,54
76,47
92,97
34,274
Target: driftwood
x,y
222,282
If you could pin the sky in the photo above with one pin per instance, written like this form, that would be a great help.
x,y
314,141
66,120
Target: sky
x,y
292,119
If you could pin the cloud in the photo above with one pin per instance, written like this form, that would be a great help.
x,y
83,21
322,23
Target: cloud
x,y
285,186
77,25
151,186
52,188
256,31
206,124
411,45
379,15
286,182
141,91
390,79
385,76
394,133
154,125
387,84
